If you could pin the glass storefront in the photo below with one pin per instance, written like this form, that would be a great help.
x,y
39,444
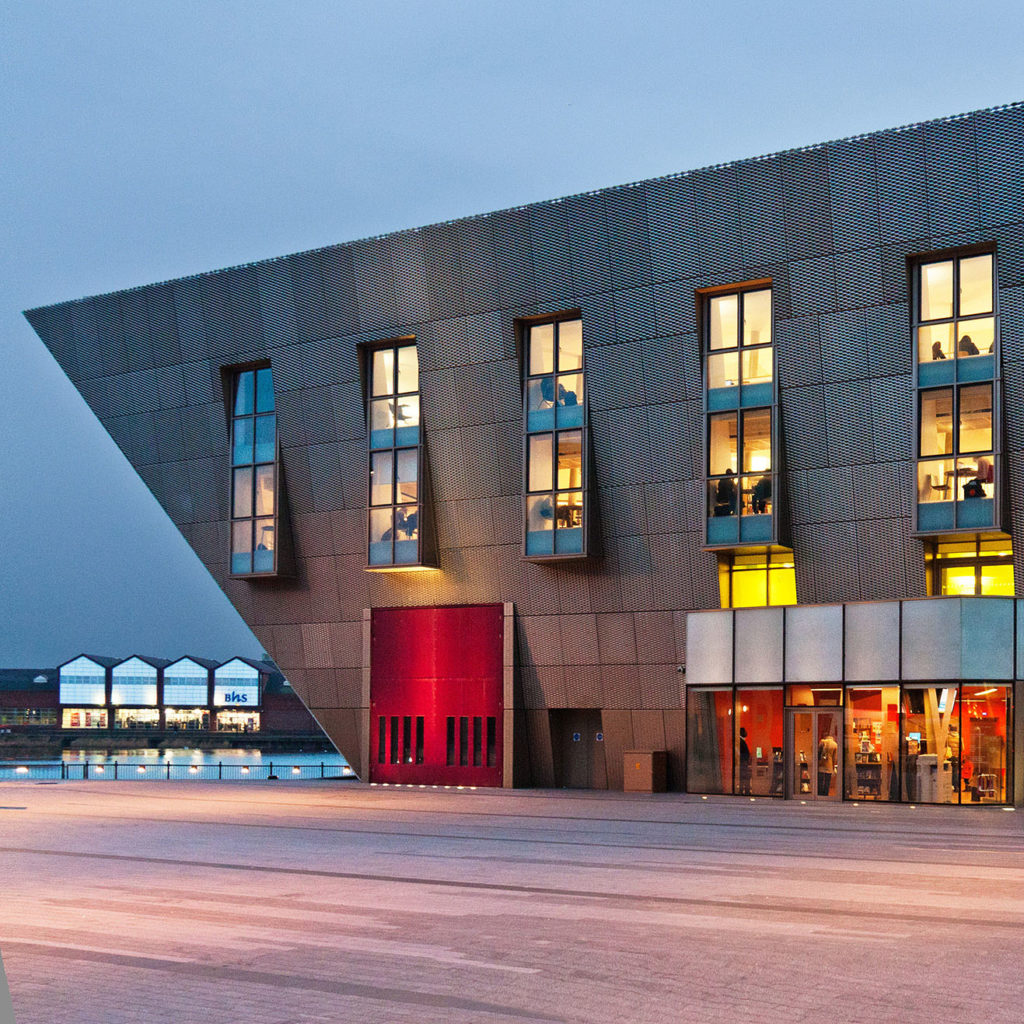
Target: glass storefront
x,y
238,721
187,719
872,767
915,743
137,718
709,740
84,718
758,759
28,716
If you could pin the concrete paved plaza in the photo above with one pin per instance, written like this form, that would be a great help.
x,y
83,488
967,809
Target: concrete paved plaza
x,y
273,903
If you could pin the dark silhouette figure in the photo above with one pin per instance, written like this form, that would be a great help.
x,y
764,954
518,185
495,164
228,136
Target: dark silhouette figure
x,y
725,496
967,347
745,769
762,494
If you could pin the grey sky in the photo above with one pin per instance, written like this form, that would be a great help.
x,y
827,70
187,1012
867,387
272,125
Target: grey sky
x,y
145,141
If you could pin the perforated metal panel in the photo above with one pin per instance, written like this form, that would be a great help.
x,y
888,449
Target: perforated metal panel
x,y
952,160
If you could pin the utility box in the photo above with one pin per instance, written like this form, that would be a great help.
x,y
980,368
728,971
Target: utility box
x,y
644,771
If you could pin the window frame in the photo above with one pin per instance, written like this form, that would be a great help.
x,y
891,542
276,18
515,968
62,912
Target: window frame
x,y
232,375
423,559
978,560
953,374
782,557
749,523
955,256
524,326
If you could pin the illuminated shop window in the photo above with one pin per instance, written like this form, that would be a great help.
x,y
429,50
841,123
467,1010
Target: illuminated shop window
x,y
28,716
254,474
956,333
395,469
84,718
735,740
238,721
556,447
136,718
934,743
957,743
187,719
740,398
971,567
757,579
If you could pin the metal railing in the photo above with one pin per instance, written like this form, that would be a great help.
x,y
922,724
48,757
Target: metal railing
x,y
217,771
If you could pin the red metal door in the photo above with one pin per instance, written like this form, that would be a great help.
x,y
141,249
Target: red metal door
x,y
436,695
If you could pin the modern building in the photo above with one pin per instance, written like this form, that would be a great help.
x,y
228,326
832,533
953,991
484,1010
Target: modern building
x,y
727,464
153,695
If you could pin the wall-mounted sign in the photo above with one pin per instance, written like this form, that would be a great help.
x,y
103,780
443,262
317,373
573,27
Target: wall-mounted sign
x,y
235,694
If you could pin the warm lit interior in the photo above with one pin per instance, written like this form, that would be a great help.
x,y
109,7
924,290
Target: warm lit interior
x,y
757,579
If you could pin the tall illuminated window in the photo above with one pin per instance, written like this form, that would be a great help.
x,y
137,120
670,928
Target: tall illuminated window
x,y
396,499
956,315
969,567
254,474
555,422
956,334
741,410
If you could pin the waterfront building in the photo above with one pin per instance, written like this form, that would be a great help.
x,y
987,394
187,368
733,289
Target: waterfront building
x,y
92,694
727,465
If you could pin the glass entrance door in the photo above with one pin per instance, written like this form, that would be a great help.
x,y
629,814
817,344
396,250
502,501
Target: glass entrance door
x,y
813,753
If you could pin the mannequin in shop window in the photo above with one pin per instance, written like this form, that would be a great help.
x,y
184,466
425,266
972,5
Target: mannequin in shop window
x,y
953,750
828,754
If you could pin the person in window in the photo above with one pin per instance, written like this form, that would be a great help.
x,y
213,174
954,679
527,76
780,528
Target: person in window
x,y
973,489
405,522
937,352
566,397
967,347
547,392
762,494
725,496
541,512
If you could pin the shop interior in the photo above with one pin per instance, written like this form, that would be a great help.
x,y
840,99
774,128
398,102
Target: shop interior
x,y
916,743
238,721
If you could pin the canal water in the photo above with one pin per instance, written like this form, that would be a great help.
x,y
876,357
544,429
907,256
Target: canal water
x,y
180,763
